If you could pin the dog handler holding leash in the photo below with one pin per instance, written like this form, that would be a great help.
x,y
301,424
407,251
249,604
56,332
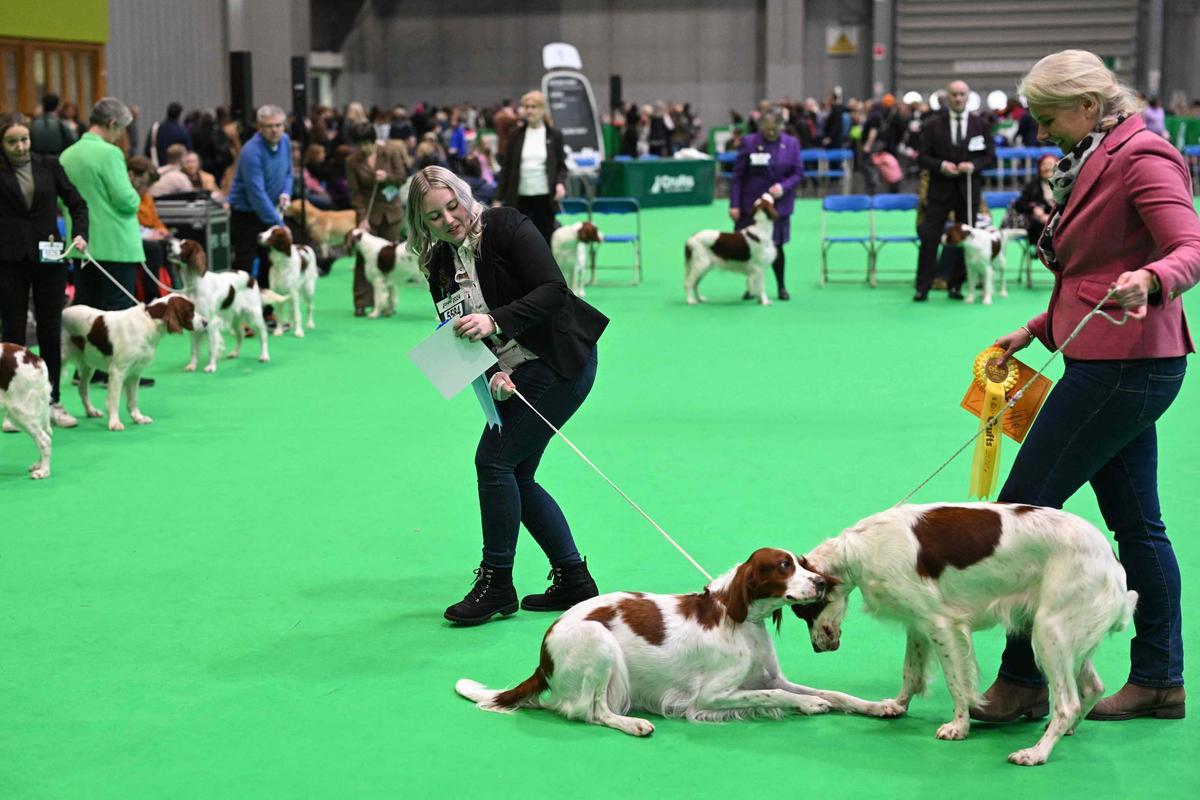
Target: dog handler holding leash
x,y
492,273
1098,423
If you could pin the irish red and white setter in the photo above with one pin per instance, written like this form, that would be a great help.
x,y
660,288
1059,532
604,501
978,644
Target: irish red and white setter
x,y
704,656
749,252
946,570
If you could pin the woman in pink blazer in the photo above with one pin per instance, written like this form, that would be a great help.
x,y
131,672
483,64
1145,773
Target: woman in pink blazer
x,y
1123,218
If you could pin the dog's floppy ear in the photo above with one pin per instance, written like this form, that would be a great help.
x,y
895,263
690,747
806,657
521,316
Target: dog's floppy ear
x,y
193,255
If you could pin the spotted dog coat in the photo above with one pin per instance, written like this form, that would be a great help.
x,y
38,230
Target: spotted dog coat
x,y
228,300
570,247
122,343
293,275
25,400
749,251
705,656
946,570
384,264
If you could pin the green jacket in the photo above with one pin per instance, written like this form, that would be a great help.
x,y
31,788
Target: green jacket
x,y
98,171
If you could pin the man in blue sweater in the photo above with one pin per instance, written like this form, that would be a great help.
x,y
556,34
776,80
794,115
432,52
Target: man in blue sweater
x,y
260,189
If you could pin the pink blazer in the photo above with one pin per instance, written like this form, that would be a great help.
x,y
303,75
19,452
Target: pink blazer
x,y
1131,208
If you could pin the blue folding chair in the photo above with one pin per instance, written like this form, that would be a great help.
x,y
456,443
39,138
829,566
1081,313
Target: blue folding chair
x,y
574,207
618,207
885,204
859,204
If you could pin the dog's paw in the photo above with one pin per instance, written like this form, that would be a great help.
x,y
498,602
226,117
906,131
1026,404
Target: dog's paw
x,y
39,471
1029,757
191,367
764,300
278,331
234,354
374,315
94,412
812,705
312,325
691,301
638,727
142,419
953,731
264,358
987,301
299,333
116,425
887,709
210,368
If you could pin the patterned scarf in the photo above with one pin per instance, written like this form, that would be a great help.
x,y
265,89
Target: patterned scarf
x,y
1066,172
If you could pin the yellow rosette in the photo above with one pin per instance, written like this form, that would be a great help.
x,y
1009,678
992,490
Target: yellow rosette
x,y
996,382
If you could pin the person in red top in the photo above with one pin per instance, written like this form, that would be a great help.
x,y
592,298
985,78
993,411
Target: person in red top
x,y
1123,218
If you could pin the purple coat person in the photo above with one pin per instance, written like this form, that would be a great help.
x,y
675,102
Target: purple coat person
x,y
760,165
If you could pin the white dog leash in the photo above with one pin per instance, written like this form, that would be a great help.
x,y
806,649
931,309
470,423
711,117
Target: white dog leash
x,y
629,500
87,258
1017,396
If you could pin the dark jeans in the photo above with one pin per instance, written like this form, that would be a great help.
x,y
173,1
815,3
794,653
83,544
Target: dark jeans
x,y
1097,426
244,228
93,288
540,210
508,457
49,284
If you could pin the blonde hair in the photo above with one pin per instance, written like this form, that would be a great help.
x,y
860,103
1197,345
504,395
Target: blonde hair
x,y
539,98
1069,78
420,242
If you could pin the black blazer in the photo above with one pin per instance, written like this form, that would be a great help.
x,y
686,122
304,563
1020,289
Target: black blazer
x,y
509,183
934,147
22,228
525,290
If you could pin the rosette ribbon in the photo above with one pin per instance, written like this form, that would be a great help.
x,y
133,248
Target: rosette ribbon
x,y
996,382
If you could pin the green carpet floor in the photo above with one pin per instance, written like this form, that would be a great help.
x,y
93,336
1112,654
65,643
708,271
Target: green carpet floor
x,y
244,599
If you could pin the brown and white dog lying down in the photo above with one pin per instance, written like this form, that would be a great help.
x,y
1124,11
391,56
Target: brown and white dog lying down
x,y
983,253
384,264
944,570
704,656
25,400
293,275
325,228
122,343
749,251
570,247
227,300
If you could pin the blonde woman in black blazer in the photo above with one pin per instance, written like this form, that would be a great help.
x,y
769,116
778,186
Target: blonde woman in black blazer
x,y
534,177
30,186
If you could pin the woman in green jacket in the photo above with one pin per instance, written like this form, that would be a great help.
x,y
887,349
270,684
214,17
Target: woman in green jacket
x,y
96,166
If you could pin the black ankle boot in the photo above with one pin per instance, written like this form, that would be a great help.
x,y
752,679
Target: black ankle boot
x,y
571,584
492,594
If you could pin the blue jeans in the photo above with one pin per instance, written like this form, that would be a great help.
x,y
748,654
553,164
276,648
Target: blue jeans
x,y
1097,426
508,457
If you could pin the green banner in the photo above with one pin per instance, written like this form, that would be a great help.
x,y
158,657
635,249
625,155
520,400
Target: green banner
x,y
659,182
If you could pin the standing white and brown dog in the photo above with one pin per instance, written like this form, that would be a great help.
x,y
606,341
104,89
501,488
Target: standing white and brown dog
x,y
122,343
944,571
385,264
227,300
983,253
25,400
293,275
570,247
749,251
704,656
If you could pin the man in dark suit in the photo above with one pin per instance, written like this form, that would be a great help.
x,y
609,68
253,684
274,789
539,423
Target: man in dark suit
x,y
953,148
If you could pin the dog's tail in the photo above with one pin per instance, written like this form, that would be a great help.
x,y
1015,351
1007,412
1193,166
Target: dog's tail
x,y
1131,598
523,694
1012,234
271,297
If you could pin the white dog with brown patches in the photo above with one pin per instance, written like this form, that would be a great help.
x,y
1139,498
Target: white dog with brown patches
x,y
705,656
749,251
228,300
570,247
983,254
122,343
385,264
293,275
946,570
25,400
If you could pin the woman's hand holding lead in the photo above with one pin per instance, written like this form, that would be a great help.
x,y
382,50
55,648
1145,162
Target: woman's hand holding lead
x,y
502,386
1134,290
474,326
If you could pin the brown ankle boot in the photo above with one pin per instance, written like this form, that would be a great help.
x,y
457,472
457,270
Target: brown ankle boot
x,y
1005,701
1141,701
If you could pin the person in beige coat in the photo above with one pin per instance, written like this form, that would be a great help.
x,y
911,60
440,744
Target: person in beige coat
x,y
374,173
